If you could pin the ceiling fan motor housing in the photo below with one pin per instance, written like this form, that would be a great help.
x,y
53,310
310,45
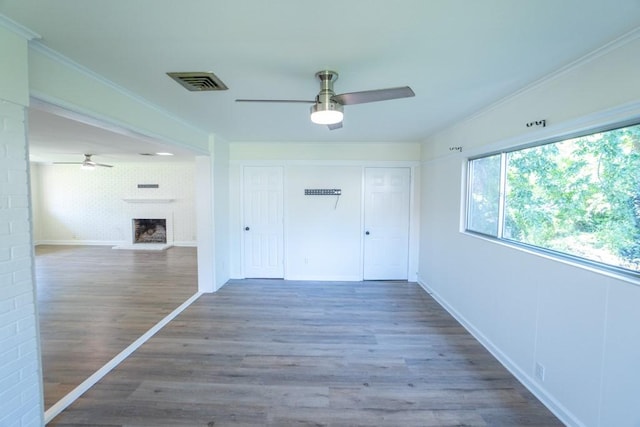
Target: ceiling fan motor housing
x,y
326,111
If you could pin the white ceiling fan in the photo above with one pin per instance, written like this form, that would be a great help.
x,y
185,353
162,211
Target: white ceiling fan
x,y
327,108
87,163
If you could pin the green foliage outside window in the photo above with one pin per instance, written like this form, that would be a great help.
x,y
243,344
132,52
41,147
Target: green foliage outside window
x,y
579,196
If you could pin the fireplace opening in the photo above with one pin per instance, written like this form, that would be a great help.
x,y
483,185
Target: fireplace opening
x,y
149,230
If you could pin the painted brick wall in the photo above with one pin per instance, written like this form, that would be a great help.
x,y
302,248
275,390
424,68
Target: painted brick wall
x,y
87,207
20,370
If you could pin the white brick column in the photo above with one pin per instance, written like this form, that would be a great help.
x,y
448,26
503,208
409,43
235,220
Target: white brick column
x,y
20,368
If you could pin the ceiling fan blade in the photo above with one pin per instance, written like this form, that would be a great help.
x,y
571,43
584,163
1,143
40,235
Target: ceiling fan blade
x,y
283,101
335,126
373,95
67,163
102,164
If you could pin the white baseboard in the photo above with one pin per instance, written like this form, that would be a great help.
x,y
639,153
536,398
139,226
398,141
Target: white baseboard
x,y
529,382
78,242
186,243
182,243
313,278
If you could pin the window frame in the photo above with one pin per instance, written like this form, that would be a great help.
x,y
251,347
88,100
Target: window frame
x,y
554,254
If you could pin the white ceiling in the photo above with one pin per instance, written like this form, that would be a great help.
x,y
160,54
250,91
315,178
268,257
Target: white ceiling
x,y
458,56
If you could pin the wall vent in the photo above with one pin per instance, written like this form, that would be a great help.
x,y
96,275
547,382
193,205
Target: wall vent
x,y
198,81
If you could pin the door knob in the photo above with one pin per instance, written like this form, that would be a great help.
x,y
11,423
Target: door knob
x,y
246,229
367,233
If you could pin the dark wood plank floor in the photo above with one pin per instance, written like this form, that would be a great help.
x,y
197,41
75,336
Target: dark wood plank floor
x,y
94,301
282,353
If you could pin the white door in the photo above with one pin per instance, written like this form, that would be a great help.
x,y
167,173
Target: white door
x,y
386,223
263,222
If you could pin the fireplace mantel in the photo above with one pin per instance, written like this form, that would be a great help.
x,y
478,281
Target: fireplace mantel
x,y
149,200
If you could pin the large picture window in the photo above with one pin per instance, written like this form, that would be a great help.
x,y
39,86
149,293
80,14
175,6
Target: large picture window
x,y
578,197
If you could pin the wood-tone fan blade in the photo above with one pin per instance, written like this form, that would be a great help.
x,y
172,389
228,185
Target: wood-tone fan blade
x,y
373,95
335,126
283,101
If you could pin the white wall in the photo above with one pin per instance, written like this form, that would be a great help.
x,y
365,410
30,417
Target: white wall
x,y
322,242
36,196
21,401
221,210
212,216
580,324
87,207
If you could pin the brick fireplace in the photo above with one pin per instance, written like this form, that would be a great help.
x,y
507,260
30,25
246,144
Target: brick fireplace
x,y
148,225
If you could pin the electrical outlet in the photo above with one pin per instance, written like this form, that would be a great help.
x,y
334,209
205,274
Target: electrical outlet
x,y
539,371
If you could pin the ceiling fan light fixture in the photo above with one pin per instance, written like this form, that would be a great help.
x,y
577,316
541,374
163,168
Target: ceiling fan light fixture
x,y
328,113
86,164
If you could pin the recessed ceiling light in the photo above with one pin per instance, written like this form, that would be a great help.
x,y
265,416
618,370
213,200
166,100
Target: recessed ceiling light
x,y
164,154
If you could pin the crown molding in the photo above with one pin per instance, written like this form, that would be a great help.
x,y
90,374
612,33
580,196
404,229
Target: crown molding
x,y
607,48
622,115
329,163
19,29
56,56
585,59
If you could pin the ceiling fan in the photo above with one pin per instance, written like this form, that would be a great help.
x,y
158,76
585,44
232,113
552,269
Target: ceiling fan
x,y
87,163
327,107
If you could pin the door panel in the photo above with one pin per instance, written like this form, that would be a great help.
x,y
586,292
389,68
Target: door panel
x,y
386,220
263,222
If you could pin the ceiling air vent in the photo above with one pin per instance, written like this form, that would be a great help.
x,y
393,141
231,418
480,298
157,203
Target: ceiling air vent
x,y
198,81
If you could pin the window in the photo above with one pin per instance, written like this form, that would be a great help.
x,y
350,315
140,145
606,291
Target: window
x,y
579,197
484,195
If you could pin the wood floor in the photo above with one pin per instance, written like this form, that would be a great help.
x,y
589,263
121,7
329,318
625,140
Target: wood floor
x,y
94,301
282,353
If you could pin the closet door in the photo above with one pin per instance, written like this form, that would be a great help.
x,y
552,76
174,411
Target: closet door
x,y
386,223
263,254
